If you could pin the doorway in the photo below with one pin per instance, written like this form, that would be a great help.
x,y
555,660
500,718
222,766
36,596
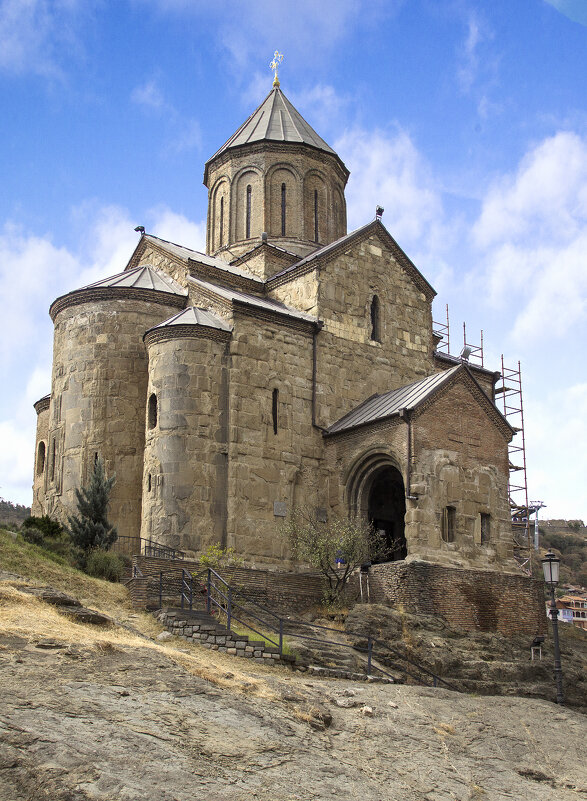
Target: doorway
x,y
386,511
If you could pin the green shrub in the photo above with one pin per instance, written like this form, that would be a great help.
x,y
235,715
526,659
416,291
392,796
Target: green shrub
x,y
47,534
104,564
49,528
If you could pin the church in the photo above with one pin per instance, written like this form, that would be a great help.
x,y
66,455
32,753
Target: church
x,y
292,364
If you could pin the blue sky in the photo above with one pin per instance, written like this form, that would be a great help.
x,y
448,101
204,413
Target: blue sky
x,y
466,120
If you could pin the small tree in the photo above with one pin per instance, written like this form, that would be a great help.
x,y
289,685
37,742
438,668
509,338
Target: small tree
x,y
335,547
90,529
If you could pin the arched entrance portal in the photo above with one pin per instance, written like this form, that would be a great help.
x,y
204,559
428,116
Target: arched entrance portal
x,y
386,510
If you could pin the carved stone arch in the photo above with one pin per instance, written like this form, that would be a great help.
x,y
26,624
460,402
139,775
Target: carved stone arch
x,y
375,491
283,191
219,214
249,176
316,205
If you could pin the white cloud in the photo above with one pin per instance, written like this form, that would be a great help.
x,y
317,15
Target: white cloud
x,y
389,171
36,34
532,237
321,105
148,95
174,227
558,464
469,59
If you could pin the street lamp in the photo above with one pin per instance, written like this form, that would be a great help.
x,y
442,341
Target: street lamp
x,y
550,566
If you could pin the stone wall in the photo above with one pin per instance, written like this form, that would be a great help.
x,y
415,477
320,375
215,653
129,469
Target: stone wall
x,y
186,452
98,402
472,600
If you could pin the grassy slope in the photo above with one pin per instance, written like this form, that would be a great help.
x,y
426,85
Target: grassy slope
x,y
36,565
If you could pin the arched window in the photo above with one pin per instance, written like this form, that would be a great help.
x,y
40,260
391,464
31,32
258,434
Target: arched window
x,y
375,320
41,459
274,409
315,215
152,411
248,213
221,231
282,209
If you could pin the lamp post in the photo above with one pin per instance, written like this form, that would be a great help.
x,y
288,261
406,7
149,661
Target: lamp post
x,y
550,566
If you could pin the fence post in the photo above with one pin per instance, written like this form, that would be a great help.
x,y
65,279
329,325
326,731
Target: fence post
x,y
161,590
229,608
280,636
369,654
191,591
208,585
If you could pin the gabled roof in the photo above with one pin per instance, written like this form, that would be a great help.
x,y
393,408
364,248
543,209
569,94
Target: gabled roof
x,y
329,251
409,398
187,255
275,120
143,277
195,316
233,296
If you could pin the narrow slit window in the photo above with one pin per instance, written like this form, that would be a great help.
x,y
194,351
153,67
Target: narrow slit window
x,y
149,483
449,519
315,215
485,528
283,190
41,459
221,231
52,464
248,213
274,408
152,411
375,320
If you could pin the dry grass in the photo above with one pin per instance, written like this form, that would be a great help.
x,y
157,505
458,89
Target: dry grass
x,y
28,617
24,559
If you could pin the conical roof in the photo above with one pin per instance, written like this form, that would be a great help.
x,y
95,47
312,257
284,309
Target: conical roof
x,y
142,277
193,315
275,120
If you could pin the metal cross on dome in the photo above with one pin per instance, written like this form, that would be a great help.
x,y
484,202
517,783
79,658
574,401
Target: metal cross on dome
x,y
277,59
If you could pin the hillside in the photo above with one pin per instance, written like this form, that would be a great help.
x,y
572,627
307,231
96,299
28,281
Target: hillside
x,y
568,539
12,514
110,712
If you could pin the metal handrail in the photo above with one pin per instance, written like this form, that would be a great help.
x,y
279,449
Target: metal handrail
x,y
230,606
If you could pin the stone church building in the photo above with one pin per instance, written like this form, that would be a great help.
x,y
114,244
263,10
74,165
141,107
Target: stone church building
x,y
293,363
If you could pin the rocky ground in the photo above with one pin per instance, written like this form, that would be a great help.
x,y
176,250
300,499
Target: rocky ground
x,y
98,712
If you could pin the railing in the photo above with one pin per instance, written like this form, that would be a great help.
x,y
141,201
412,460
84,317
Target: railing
x,y
217,596
146,547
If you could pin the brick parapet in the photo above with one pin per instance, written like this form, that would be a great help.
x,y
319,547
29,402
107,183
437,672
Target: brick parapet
x,y
471,600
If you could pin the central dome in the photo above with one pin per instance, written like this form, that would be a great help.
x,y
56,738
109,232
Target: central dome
x,y
276,175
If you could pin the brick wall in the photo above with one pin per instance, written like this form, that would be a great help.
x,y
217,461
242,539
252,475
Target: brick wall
x,y
473,600
281,592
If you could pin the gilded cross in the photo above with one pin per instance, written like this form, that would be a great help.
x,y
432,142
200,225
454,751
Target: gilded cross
x,y
277,59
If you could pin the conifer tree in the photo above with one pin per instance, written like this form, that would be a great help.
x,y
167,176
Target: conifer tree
x,y
90,529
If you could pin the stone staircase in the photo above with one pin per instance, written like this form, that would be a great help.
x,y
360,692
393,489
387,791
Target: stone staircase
x,y
199,627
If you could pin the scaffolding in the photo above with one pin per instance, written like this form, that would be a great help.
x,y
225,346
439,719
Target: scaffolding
x,y
442,330
513,410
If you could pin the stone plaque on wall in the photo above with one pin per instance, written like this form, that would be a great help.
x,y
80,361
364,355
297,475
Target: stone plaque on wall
x,y
279,508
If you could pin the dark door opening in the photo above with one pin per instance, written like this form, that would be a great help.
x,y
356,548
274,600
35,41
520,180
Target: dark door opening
x,y
387,510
